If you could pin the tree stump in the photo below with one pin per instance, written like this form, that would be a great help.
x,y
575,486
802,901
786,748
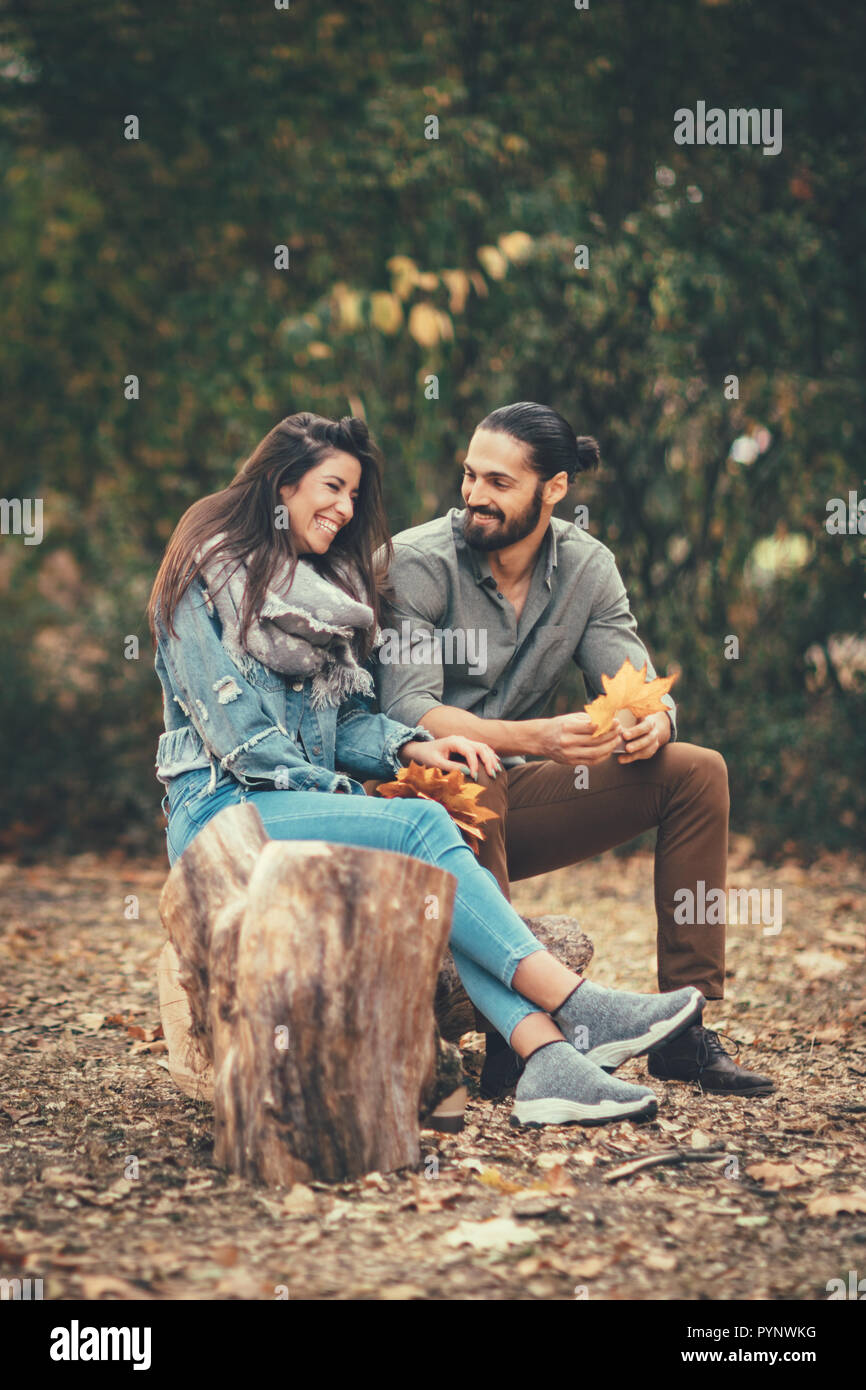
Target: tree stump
x,y
309,971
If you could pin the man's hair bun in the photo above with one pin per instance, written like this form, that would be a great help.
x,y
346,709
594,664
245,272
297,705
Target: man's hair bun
x,y
551,444
588,453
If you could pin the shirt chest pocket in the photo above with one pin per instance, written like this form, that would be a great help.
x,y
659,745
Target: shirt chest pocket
x,y
546,651
538,662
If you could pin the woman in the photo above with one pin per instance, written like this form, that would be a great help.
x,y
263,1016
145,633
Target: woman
x,y
264,613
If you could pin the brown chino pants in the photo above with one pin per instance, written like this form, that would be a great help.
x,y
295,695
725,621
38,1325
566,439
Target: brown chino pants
x,y
545,823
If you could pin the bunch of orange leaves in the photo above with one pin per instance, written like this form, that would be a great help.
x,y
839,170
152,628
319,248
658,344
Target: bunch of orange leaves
x,y
453,790
628,689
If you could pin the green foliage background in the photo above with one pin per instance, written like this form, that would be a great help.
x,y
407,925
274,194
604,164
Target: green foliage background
x,y
306,127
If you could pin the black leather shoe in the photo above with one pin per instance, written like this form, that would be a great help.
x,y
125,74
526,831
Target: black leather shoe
x,y
501,1071
698,1055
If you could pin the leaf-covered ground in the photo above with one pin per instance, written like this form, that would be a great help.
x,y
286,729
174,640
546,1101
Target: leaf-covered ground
x,y
493,1213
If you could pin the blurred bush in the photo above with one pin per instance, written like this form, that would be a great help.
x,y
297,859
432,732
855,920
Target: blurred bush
x,y
413,259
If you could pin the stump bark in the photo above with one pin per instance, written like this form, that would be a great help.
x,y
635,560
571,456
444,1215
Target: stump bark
x,y
309,971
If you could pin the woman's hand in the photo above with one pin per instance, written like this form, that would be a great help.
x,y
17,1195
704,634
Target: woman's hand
x,y
437,753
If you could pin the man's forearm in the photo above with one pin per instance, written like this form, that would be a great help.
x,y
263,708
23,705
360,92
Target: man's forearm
x,y
505,736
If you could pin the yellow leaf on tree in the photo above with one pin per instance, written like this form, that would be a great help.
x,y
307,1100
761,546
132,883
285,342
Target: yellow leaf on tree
x,y
348,305
493,261
446,327
404,272
424,325
458,285
517,246
386,311
628,689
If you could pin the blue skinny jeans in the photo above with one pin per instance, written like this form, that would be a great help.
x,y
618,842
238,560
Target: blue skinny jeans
x,y
488,940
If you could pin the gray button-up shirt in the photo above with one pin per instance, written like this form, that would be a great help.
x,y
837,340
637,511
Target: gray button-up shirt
x,y
453,639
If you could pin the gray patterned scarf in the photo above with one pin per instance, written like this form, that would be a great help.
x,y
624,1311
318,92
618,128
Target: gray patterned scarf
x,y
305,629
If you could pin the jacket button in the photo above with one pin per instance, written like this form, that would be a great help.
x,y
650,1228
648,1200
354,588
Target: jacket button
x,y
297,685
316,748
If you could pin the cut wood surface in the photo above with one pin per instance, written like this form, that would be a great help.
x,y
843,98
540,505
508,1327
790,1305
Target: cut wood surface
x,y
310,971
189,1061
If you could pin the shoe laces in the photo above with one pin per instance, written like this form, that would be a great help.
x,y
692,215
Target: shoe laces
x,y
711,1046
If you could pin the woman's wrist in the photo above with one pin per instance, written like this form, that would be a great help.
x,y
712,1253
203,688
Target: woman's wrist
x,y
407,751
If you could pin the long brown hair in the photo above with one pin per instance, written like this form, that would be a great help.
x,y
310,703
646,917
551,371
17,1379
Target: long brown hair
x,y
246,511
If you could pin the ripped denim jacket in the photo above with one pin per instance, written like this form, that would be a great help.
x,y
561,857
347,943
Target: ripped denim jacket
x,y
255,725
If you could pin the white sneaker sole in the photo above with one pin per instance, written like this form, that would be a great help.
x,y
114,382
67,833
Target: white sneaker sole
x,y
555,1110
611,1055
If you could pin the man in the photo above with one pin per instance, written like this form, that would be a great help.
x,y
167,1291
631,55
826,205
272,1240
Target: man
x,y
526,593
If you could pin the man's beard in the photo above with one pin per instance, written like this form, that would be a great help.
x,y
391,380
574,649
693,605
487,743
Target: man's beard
x,y
497,537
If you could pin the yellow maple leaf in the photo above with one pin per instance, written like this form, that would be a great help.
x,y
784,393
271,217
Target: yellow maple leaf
x,y
628,689
453,790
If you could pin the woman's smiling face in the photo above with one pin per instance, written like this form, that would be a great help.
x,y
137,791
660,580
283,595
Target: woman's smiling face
x,y
323,502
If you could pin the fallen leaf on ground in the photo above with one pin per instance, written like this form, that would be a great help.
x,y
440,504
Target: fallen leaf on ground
x,y
135,1030
831,1203
301,1201
559,1182
16,1115
496,1234
819,965
699,1140
96,1286
92,1022
776,1175
661,1260
240,1283
61,1177
813,1167
431,1196
157,1045
590,1267
549,1159
225,1255
121,1188
491,1177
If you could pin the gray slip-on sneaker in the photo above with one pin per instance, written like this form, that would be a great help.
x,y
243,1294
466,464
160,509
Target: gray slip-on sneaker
x,y
609,1026
560,1087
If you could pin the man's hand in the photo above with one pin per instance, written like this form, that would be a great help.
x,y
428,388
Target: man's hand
x,y
645,738
568,738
